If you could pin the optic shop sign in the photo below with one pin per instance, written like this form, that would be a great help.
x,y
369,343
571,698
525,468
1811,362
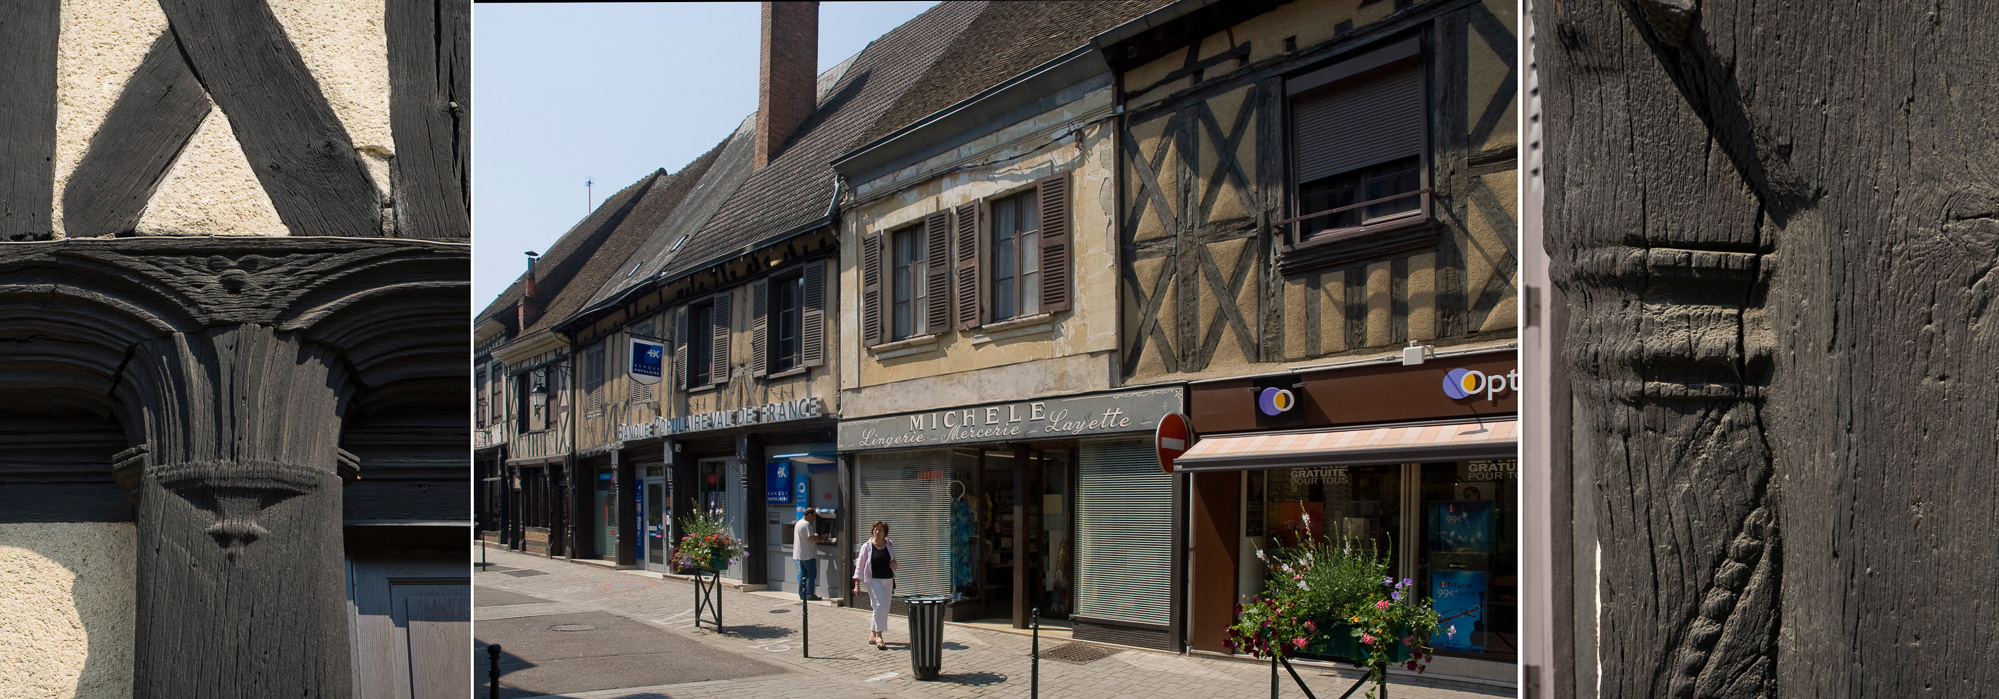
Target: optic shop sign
x,y
801,409
1055,418
1460,384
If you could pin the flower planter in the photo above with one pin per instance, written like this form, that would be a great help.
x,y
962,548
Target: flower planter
x,y
1336,640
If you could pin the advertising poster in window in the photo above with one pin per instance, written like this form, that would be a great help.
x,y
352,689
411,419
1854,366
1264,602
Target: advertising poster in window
x,y
1459,598
1461,526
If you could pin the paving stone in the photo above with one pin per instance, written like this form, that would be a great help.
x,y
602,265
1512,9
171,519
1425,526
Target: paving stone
x,y
976,662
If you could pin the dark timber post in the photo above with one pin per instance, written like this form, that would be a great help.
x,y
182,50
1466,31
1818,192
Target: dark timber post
x,y
1770,402
239,476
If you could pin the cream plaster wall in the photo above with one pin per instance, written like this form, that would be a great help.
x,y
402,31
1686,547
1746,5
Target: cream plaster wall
x,y
68,593
102,43
210,189
1075,138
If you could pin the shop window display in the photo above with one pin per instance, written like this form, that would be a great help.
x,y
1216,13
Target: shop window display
x,y
1468,554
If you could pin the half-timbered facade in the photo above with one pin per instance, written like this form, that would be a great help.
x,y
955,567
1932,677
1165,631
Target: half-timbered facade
x,y
980,415
232,369
1315,230
529,369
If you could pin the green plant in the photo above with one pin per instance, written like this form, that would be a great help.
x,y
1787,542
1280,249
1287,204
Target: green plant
x,y
1320,582
707,543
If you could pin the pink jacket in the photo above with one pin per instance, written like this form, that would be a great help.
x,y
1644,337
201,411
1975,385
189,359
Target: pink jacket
x,y
864,572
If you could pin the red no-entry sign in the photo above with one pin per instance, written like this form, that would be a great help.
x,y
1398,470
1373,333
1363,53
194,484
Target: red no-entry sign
x,y
1173,438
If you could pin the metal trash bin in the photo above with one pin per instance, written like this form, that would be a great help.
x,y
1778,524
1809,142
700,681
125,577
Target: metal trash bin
x,y
926,635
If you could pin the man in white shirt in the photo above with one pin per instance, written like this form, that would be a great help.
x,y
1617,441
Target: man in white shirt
x,y
802,540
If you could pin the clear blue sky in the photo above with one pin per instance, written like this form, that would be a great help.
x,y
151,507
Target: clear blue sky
x,y
609,92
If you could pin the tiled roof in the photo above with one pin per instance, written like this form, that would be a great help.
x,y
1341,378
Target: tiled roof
x,y
568,253
614,258
1007,39
707,192
947,54
797,187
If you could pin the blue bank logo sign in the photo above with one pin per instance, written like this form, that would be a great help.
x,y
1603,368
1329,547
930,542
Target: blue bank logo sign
x,y
647,357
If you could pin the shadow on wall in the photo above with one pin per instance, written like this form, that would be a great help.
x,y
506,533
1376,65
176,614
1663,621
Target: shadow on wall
x,y
66,603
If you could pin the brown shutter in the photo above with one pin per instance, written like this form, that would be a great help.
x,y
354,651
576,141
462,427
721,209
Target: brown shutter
x,y
760,327
680,348
718,364
871,290
812,317
1053,200
970,293
937,283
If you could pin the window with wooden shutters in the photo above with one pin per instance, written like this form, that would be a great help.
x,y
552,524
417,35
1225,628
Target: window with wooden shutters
x,y
871,291
1014,262
1359,144
909,287
970,293
760,327
1056,242
812,314
593,381
937,272
679,340
718,355
698,331
784,315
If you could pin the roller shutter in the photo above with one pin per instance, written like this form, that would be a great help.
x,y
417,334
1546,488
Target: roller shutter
x,y
1375,118
1124,532
911,491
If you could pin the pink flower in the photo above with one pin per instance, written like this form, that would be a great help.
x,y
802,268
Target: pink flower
x,y
1299,642
1310,627
1381,605
1367,639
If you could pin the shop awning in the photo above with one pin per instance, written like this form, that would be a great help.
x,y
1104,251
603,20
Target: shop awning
x,y
1495,438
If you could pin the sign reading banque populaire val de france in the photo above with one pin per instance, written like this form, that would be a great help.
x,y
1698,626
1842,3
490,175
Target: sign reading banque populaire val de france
x,y
800,409
1052,418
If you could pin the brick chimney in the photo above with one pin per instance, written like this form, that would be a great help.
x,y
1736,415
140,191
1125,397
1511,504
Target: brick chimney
x,y
530,304
788,79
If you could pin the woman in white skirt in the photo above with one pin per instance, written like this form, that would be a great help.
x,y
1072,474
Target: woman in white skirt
x,y
875,568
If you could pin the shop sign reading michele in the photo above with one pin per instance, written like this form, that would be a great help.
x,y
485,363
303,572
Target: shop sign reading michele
x,y
801,409
1054,418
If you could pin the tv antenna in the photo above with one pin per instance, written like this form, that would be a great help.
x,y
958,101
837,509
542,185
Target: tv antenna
x,y
589,201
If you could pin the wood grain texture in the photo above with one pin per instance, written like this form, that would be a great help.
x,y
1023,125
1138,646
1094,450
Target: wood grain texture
x,y
290,135
429,96
155,116
29,30
1770,370
239,501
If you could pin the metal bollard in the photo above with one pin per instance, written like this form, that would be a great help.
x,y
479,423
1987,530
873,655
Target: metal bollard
x,y
805,628
1034,675
493,673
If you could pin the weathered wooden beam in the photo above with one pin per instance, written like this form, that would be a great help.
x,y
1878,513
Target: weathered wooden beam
x,y
155,116
28,33
240,576
294,142
429,88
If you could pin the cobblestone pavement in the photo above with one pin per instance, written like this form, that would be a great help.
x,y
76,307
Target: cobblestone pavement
x,y
977,662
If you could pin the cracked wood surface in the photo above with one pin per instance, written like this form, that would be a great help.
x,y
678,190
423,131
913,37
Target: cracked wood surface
x,y
1775,227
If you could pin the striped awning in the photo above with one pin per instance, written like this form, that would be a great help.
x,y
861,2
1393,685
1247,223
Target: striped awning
x,y
1495,438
